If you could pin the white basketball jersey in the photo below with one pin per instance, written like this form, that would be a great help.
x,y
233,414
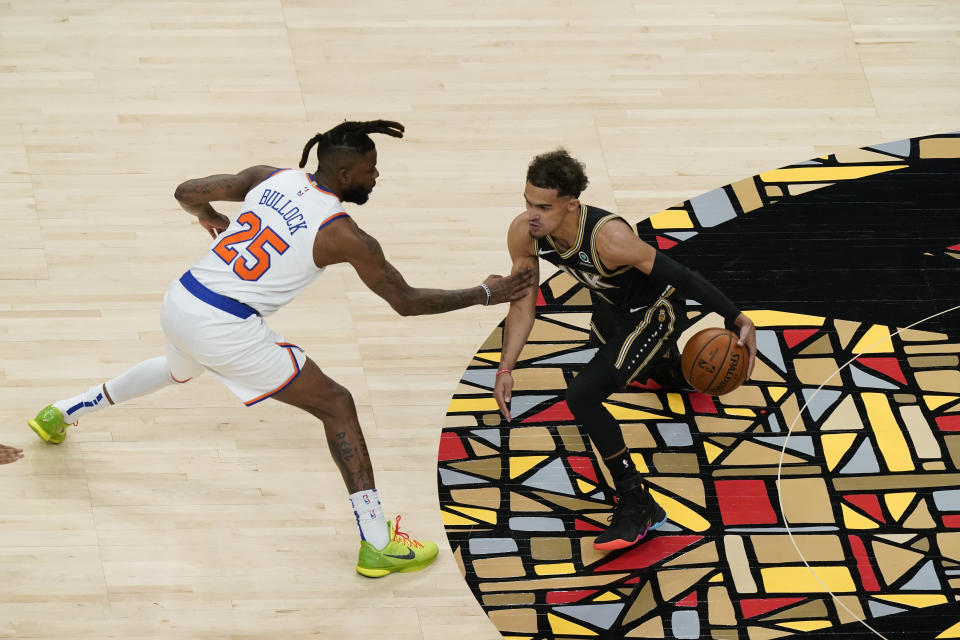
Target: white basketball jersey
x,y
265,257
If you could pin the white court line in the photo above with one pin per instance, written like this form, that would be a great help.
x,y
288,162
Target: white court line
x,y
784,449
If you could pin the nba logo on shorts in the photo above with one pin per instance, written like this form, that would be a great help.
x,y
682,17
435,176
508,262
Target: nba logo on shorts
x,y
662,316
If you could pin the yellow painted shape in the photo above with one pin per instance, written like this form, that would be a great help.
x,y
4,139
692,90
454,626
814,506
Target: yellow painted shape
x,y
802,580
826,174
492,356
487,515
835,445
716,578
453,520
806,625
606,597
671,219
853,520
517,637
768,318
585,487
519,465
628,414
889,436
712,451
567,628
776,392
952,632
459,405
875,340
897,503
639,463
675,402
554,569
740,411
919,600
934,402
681,514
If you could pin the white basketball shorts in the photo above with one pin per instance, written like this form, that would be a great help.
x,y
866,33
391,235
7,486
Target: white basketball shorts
x,y
207,331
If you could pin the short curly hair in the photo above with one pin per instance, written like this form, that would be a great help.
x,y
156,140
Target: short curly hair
x,y
558,170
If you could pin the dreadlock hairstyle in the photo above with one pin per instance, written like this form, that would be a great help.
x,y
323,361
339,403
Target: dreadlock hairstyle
x,y
349,137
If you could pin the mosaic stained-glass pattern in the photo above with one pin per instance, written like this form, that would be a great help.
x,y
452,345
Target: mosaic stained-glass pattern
x,y
822,493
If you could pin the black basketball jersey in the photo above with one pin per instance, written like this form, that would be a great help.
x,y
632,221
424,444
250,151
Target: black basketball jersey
x,y
624,288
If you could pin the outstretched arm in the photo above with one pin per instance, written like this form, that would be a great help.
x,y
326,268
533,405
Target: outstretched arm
x,y
196,195
617,246
522,314
344,241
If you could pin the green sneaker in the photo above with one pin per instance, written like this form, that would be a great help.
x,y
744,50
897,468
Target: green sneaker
x,y
50,425
402,554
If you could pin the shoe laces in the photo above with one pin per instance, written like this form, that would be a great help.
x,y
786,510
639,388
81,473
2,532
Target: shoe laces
x,y
403,537
622,507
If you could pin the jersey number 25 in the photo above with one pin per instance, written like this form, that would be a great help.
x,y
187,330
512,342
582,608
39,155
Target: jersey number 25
x,y
260,237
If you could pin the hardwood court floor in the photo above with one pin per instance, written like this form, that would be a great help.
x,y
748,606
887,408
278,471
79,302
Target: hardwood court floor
x,y
185,515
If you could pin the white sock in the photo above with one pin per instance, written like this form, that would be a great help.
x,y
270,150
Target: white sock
x,y
141,379
369,513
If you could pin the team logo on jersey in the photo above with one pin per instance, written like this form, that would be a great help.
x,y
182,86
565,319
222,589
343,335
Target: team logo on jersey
x,y
662,315
585,259
592,280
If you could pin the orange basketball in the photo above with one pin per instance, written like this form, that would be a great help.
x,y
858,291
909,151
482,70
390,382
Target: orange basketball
x,y
713,362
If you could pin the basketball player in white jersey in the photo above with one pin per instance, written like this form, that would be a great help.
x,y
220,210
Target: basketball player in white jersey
x,y
292,224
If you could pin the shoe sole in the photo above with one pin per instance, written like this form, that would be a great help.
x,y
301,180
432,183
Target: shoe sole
x,y
379,573
613,545
40,431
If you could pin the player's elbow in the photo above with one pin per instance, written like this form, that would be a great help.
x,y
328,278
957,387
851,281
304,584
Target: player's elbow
x,y
184,193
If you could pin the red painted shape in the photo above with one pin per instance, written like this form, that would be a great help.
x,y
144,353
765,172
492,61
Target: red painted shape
x,y
650,552
701,403
793,337
583,525
584,466
565,597
869,503
949,423
887,366
632,581
744,502
650,384
955,247
867,575
689,601
540,300
665,243
752,607
451,448
952,521
555,413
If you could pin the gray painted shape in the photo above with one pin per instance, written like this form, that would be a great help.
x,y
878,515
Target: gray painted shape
x,y
800,444
767,345
675,434
863,379
536,524
774,423
899,148
483,377
685,624
925,580
490,435
520,404
878,609
863,461
600,615
947,500
668,527
681,235
713,207
819,401
449,478
486,546
575,357
553,477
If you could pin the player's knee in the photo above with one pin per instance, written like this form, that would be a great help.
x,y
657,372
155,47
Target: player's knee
x,y
579,397
336,400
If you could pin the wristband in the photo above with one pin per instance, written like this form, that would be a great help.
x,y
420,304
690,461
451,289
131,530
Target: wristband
x,y
486,290
500,371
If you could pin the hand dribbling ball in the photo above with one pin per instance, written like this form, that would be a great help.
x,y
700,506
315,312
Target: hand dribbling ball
x,y
713,362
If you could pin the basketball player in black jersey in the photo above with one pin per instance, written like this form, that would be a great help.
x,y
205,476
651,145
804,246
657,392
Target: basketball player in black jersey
x,y
638,298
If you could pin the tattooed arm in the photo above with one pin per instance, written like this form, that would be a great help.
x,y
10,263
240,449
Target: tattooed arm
x,y
344,241
196,195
